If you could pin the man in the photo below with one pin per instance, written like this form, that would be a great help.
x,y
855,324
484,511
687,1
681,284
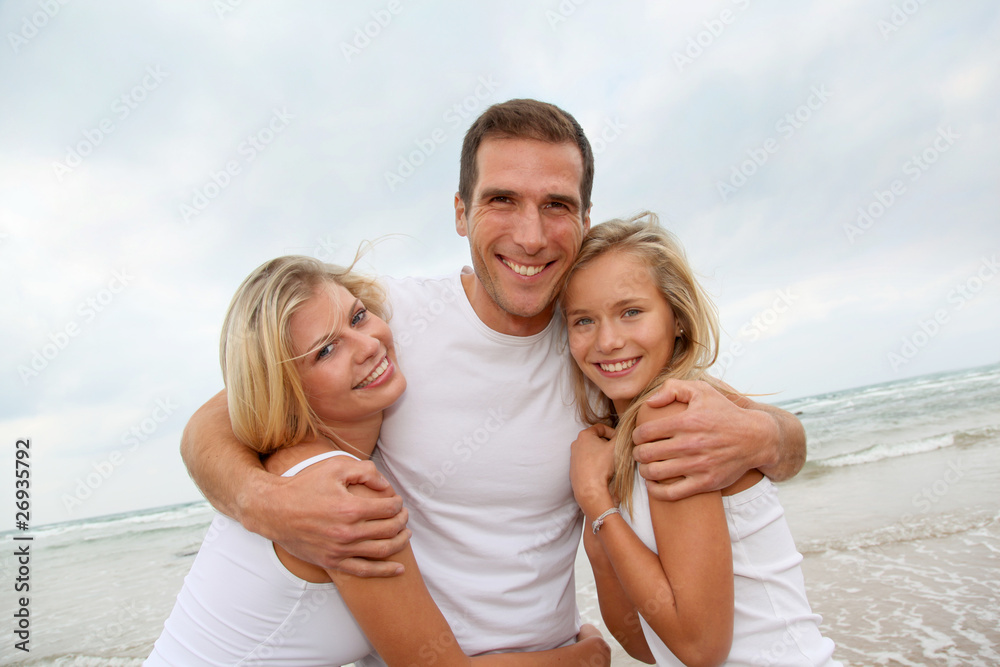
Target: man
x,y
478,447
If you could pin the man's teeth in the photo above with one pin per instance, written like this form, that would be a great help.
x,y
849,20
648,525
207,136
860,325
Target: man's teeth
x,y
375,374
522,269
620,366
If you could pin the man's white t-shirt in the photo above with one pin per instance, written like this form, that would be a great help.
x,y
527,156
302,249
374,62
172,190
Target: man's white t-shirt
x,y
478,447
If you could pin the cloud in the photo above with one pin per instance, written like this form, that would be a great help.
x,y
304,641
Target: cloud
x,y
200,87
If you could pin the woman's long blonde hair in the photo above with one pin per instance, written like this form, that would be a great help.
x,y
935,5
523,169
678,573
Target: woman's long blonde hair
x,y
695,348
267,404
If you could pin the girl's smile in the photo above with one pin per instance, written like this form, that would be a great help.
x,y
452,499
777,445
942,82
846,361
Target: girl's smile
x,y
621,329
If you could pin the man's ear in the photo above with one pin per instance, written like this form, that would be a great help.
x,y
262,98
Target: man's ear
x,y
586,219
461,224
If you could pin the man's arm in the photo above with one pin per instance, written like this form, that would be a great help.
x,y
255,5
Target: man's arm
x,y
312,514
711,444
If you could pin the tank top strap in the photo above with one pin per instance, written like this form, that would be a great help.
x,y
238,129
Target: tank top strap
x,y
302,465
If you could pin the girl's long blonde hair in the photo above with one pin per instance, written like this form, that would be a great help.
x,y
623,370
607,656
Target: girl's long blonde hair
x,y
695,348
267,404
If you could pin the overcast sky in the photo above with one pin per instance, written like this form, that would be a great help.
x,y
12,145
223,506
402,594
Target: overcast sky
x,y
832,168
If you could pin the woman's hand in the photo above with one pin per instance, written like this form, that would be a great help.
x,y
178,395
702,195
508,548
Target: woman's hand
x,y
591,466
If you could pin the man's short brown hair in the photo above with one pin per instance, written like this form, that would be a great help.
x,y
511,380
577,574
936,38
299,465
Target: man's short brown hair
x,y
528,119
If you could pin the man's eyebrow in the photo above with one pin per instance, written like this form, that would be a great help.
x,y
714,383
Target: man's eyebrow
x,y
565,199
553,196
496,192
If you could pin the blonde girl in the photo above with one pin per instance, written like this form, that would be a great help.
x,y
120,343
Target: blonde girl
x,y
707,580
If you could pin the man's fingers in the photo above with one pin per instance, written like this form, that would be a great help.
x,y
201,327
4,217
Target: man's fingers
x,y
371,509
670,391
649,452
369,551
661,471
382,529
677,488
662,428
365,472
360,567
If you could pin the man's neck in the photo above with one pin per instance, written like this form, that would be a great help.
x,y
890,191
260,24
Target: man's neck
x,y
498,319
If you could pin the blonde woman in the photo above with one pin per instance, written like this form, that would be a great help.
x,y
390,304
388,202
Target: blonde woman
x,y
309,366
713,578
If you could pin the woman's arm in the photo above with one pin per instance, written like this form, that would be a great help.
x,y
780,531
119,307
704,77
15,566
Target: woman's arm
x,y
311,514
406,627
685,592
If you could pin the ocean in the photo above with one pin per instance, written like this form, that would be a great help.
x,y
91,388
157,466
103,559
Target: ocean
x,y
896,512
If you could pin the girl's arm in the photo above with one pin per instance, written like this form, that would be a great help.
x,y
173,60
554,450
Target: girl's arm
x,y
685,592
406,627
618,612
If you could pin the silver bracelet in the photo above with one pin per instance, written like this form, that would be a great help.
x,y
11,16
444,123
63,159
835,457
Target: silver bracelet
x,y
599,521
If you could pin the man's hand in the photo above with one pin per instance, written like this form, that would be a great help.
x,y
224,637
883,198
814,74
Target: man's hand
x,y
709,446
592,463
316,517
312,515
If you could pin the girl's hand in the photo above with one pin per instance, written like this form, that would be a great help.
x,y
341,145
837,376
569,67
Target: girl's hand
x,y
591,467
598,651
